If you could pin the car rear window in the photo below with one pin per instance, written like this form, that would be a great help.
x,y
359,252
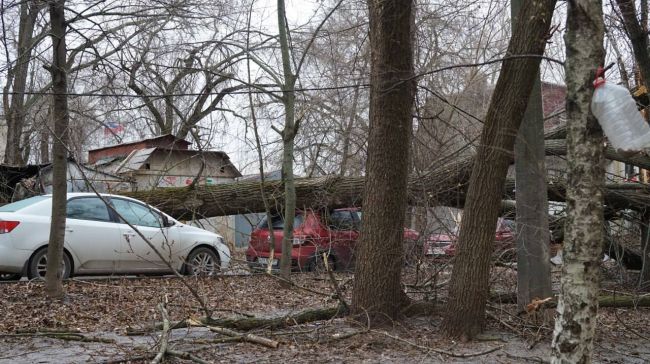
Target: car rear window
x,y
19,205
278,222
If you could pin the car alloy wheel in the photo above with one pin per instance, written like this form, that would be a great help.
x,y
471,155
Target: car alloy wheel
x,y
38,265
203,262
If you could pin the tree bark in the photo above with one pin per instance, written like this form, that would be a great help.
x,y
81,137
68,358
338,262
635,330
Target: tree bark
x,y
377,292
288,136
644,276
638,37
53,277
15,111
442,185
533,264
468,289
578,305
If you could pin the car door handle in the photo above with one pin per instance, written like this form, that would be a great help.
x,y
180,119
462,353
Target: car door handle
x,y
129,234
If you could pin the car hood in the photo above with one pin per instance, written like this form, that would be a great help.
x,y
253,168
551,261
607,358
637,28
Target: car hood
x,y
198,232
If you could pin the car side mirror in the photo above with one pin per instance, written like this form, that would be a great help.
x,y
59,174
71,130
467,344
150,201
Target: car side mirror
x,y
166,221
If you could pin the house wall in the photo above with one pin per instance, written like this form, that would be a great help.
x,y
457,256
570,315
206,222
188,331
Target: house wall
x,y
177,163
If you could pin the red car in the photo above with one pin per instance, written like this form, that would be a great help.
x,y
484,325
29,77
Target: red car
x,y
335,233
445,244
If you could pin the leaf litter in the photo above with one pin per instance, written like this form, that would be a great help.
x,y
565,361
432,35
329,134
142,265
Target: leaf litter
x,y
105,308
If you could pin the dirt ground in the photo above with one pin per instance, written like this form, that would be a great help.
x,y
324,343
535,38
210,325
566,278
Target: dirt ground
x,y
96,315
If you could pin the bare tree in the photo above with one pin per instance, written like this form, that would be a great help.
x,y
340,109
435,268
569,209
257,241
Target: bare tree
x,y
377,288
58,69
469,282
578,305
16,80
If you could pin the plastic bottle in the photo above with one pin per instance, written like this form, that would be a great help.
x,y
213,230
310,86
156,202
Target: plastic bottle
x,y
619,117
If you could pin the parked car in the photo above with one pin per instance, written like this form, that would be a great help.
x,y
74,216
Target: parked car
x,y
444,245
333,232
99,241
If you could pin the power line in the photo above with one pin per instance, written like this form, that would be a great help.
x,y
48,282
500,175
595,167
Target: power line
x,y
279,87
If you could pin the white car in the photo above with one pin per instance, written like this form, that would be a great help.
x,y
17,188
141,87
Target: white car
x,y
99,241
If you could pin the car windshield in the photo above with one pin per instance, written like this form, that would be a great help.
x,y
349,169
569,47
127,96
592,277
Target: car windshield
x,y
19,205
277,222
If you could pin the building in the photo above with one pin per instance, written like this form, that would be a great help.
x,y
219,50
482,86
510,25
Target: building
x,y
167,161
164,161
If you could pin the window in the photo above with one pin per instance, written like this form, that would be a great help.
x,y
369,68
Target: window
x,y
277,222
341,220
137,214
19,205
88,208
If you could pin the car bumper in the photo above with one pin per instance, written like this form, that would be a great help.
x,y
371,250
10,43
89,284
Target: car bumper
x,y
299,258
12,260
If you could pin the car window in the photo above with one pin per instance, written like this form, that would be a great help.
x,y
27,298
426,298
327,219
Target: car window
x,y
341,220
137,214
277,222
19,205
507,225
87,208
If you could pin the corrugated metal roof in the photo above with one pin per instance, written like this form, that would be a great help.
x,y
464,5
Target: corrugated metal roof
x,y
135,160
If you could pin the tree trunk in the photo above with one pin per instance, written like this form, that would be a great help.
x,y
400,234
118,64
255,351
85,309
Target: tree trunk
x,y
644,276
578,304
288,136
15,111
468,289
443,185
377,288
533,264
638,37
53,277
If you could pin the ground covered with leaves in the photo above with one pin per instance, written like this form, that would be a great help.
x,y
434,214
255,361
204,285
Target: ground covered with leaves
x,y
96,320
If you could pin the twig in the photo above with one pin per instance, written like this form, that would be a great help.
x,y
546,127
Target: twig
x,y
186,356
339,336
335,284
68,336
164,337
251,338
494,317
440,351
292,284
127,360
534,359
629,328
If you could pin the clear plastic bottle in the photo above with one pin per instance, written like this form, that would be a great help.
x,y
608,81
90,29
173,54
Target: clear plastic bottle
x,y
619,117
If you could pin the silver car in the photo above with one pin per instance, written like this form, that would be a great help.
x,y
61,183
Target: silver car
x,y
102,239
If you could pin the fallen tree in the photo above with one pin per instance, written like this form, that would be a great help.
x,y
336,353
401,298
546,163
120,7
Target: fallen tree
x,y
443,185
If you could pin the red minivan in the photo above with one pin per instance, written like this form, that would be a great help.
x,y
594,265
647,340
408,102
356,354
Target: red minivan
x,y
334,232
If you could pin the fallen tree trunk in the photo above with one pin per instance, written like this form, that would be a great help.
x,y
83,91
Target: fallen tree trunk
x,y
250,323
443,185
641,160
603,301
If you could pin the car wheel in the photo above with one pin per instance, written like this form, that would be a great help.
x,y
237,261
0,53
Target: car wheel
x,y
10,276
317,264
202,262
413,252
38,265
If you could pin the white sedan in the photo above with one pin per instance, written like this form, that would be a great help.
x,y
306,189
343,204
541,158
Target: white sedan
x,y
98,239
